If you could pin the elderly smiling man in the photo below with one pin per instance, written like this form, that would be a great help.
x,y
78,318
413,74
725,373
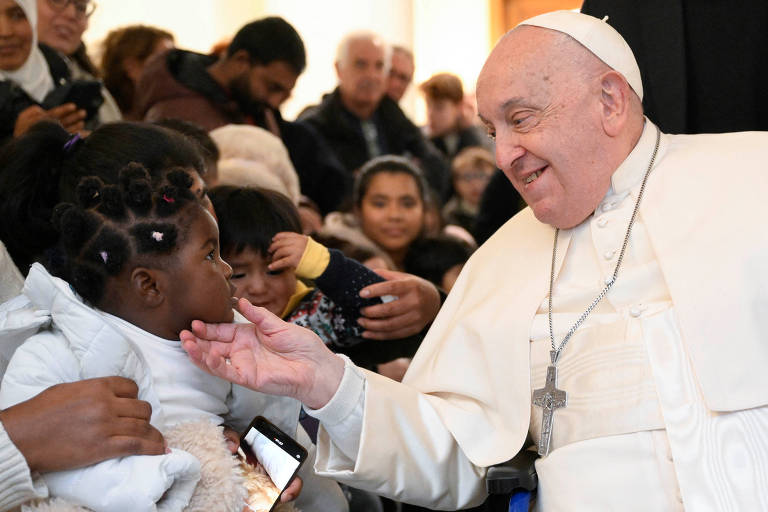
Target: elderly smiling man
x,y
619,321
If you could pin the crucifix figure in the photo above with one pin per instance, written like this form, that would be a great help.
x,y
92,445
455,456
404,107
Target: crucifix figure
x,y
548,398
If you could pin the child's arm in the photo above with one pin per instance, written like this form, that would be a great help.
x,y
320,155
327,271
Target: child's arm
x,y
338,277
342,281
335,316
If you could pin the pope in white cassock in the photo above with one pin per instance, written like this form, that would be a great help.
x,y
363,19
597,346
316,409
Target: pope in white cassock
x,y
621,320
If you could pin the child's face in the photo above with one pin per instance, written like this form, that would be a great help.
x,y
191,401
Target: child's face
x,y
202,287
470,183
255,282
392,212
442,116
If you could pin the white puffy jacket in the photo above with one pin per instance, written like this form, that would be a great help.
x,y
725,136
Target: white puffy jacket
x,y
61,339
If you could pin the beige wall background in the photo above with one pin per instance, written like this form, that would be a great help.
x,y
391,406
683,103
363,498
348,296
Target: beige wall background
x,y
445,35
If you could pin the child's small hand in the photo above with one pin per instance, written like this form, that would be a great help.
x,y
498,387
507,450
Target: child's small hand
x,y
287,249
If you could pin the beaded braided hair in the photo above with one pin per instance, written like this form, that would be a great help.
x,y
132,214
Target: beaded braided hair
x,y
112,225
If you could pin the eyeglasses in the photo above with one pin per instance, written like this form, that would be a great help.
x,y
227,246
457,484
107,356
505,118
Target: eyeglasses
x,y
83,8
473,176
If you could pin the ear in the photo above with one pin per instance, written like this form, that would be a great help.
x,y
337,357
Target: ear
x,y
337,66
147,286
239,61
615,95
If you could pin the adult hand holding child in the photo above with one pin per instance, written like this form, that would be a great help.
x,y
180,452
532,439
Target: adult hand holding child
x,y
417,304
80,423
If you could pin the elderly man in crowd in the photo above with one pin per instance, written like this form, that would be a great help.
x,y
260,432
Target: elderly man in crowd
x,y
359,121
400,72
619,321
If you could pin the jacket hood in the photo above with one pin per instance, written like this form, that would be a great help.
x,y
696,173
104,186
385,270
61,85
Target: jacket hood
x,y
101,349
173,75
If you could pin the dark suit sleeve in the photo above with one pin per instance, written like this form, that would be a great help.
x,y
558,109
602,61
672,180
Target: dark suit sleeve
x,y
321,176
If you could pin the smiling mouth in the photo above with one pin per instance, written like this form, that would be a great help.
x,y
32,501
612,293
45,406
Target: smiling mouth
x,y
534,176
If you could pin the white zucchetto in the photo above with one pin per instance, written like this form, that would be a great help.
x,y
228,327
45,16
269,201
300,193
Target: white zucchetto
x,y
598,37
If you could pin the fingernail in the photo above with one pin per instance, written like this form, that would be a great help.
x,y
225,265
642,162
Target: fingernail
x,y
364,293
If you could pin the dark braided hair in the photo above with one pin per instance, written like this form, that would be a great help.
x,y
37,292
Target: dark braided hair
x,y
249,217
112,225
43,168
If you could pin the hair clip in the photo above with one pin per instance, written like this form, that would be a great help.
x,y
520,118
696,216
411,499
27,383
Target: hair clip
x,y
70,144
103,255
168,199
158,236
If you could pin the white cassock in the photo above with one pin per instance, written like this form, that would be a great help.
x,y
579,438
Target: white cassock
x,y
667,379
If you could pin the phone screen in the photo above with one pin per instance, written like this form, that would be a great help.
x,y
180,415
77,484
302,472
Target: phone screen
x,y
273,458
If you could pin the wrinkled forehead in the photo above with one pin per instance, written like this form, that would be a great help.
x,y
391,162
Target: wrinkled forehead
x,y
534,66
523,64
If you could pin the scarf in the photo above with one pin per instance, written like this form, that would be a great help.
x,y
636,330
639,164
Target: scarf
x,y
33,76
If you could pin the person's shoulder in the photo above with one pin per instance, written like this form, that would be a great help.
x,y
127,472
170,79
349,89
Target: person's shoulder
x,y
704,153
180,62
57,65
158,84
328,111
521,224
391,113
512,238
720,143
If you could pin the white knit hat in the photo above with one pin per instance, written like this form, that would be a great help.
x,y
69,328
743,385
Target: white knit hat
x,y
598,37
252,156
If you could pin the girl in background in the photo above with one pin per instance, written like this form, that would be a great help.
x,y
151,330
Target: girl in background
x,y
389,199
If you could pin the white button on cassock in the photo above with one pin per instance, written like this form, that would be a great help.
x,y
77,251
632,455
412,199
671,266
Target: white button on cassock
x,y
609,254
602,222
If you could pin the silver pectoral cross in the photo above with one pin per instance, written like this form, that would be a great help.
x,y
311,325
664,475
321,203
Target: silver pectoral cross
x,y
549,398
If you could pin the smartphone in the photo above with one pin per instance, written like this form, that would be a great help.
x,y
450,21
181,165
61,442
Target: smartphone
x,y
86,94
271,459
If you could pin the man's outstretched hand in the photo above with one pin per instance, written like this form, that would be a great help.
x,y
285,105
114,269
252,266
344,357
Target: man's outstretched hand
x,y
267,355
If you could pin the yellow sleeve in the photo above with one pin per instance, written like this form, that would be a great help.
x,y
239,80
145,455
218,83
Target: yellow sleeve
x,y
314,261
